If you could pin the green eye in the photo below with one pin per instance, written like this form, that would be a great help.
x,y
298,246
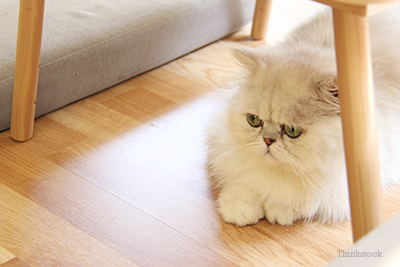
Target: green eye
x,y
254,120
293,131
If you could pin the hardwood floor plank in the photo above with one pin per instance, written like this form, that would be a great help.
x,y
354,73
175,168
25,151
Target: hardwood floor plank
x,y
131,104
15,262
172,86
5,255
199,67
102,216
57,137
34,235
88,120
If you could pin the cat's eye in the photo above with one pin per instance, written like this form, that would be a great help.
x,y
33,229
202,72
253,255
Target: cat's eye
x,y
254,120
292,131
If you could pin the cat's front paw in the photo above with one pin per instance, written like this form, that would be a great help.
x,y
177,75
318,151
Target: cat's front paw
x,y
281,215
240,210
241,213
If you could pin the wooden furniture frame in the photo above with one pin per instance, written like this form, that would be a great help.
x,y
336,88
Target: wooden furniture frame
x,y
350,19
29,41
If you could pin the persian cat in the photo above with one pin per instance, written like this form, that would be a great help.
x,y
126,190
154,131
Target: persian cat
x,y
275,147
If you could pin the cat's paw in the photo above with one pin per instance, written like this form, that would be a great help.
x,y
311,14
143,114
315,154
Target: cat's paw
x,y
240,210
241,213
281,215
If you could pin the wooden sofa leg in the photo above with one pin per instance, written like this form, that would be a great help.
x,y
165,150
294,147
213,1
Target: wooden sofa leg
x,y
30,26
358,119
261,19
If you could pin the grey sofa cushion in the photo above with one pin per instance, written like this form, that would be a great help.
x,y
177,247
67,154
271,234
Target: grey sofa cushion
x,y
91,45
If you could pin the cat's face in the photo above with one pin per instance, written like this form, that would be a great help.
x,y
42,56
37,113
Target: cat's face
x,y
286,110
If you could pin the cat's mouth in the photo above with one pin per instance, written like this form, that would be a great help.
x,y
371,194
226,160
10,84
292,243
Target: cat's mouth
x,y
270,155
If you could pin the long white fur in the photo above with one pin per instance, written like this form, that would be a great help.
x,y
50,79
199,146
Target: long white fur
x,y
294,83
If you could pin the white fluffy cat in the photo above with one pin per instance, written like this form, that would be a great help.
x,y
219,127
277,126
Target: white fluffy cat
x,y
276,148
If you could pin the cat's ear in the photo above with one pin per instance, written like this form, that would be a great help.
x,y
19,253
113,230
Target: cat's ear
x,y
247,58
327,90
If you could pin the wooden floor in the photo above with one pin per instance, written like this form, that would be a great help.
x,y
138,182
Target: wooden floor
x,y
119,178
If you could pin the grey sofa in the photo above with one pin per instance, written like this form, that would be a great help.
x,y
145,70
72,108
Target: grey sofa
x,y
89,46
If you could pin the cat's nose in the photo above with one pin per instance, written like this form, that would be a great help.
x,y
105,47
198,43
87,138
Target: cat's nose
x,y
269,141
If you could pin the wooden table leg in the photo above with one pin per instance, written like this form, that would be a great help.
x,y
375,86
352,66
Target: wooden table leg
x,y
30,26
358,119
261,19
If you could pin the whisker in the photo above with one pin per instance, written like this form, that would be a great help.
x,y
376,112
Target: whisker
x,y
320,182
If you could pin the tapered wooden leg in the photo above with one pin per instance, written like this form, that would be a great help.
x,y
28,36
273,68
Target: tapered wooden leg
x,y
261,19
358,119
30,26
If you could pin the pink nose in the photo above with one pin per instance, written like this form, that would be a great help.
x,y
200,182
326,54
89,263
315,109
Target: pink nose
x,y
268,141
